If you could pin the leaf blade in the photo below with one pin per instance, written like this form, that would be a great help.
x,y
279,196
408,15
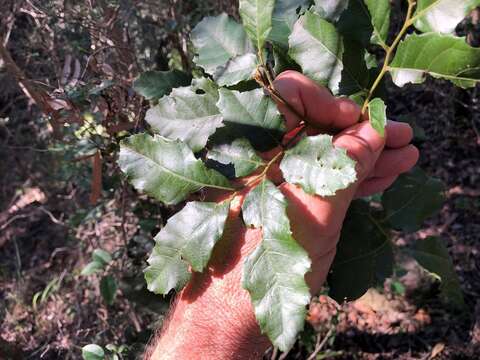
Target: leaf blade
x,y
257,19
377,112
153,85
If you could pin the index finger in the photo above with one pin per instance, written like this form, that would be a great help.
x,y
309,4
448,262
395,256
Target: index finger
x,y
315,103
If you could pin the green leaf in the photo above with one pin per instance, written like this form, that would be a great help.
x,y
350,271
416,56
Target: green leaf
x,y
238,69
166,169
187,239
108,289
92,267
257,19
317,47
377,113
101,256
187,115
442,16
154,85
240,153
330,10
412,199
380,12
92,352
285,14
432,254
356,23
274,274
441,56
252,115
217,40
318,167
364,256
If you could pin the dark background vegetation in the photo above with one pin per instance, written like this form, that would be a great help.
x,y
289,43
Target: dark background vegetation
x,y
61,195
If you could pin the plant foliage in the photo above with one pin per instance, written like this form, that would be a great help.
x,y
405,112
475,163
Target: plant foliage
x,y
212,130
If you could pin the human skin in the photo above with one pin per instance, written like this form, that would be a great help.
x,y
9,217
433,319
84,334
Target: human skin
x,y
213,317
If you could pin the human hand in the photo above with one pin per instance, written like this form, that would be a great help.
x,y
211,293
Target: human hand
x,y
214,318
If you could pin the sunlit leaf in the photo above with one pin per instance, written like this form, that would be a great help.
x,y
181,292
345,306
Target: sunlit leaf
x,y
217,40
318,167
240,153
240,68
187,239
377,113
285,14
330,9
187,115
274,273
93,352
257,19
441,56
442,16
166,169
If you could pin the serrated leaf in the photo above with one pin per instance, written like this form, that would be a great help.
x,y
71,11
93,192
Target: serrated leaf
x,y
187,239
93,352
257,19
432,254
364,256
330,10
441,56
274,274
252,115
412,199
101,256
108,289
187,115
442,16
155,84
217,40
240,153
377,113
318,167
238,69
166,169
380,13
317,47
285,14
92,267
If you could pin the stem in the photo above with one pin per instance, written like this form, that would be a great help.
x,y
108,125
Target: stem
x,y
388,56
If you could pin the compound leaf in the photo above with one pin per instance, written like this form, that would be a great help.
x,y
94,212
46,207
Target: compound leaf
x,y
238,69
252,115
441,56
412,199
217,40
285,14
274,273
318,167
442,16
187,239
240,153
153,85
257,19
380,13
330,9
364,256
318,48
166,169
432,254
187,115
377,113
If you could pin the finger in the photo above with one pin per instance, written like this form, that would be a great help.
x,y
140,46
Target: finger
x,y
364,145
314,103
398,134
395,162
374,186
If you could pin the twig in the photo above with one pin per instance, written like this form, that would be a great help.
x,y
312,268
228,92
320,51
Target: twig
x,y
319,346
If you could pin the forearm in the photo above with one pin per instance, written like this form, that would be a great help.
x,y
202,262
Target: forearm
x,y
216,323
